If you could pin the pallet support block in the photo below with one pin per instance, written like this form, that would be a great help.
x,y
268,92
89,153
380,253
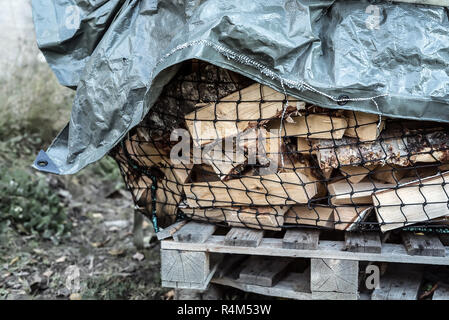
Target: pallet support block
x,y
368,242
334,279
194,232
264,271
301,239
244,237
185,269
423,245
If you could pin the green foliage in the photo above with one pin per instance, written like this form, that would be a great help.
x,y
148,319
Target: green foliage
x,y
29,205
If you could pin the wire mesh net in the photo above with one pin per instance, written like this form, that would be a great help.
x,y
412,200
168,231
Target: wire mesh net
x,y
221,148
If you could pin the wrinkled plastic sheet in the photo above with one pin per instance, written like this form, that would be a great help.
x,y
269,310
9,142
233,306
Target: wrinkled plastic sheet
x,y
119,54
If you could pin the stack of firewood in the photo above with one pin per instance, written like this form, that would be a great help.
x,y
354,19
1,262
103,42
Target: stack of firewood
x,y
256,158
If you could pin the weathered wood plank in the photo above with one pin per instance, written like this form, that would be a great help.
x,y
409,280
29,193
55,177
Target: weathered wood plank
x,y
301,239
442,292
326,249
194,232
363,242
399,283
293,286
423,245
170,230
243,237
184,266
331,275
229,263
264,271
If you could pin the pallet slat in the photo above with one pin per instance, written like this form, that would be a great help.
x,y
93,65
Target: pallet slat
x,y
423,245
326,249
194,232
293,286
243,237
263,271
301,239
368,242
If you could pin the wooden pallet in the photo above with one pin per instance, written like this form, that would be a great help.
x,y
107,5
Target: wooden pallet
x,y
298,264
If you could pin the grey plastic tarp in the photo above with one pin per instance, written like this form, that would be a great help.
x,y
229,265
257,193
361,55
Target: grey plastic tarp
x,y
120,53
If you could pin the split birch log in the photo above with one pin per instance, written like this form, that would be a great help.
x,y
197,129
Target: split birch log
x,y
267,218
363,125
316,216
275,189
235,113
412,202
316,126
398,148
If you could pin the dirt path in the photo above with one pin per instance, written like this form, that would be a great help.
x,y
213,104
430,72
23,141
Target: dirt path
x,y
97,261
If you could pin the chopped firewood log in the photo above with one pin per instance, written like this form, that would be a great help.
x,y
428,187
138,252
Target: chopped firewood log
x,y
228,117
254,146
391,174
169,192
396,148
168,196
316,216
412,202
195,82
363,125
347,218
344,192
267,218
181,171
202,173
305,146
299,163
275,189
316,126
144,153
355,174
